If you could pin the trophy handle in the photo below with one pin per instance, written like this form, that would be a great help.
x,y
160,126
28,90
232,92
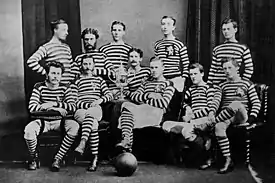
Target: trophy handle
x,y
112,73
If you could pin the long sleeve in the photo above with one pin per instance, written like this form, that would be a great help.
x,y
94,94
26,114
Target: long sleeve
x,y
106,93
69,101
248,65
139,95
33,61
35,103
217,99
254,100
164,101
185,62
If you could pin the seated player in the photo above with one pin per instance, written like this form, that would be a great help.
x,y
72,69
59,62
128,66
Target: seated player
x,y
136,73
91,92
51,95
153,97
235,98
199,111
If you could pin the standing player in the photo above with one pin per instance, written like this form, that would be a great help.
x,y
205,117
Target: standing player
x,y
173,53
91,92
239,104
51,95
89,39
117,51
55,50
233,49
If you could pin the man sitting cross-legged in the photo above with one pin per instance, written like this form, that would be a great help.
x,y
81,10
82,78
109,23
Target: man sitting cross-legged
x,y
199,113
153,97
235,98
91,92
51,95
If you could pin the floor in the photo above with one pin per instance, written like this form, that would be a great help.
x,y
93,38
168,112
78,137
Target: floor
x,y
146,172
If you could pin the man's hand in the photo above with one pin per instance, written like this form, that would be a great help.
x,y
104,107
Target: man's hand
x,y
97,102
62,111
47,105
211,118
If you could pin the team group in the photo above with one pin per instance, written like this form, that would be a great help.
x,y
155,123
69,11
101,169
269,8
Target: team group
x,y
82,86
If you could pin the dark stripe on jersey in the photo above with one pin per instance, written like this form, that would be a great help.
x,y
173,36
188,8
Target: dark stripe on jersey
x,y
116,54
89,89
135,79
164,88
42,94
238,51
201,99
172,52
54,52
242,91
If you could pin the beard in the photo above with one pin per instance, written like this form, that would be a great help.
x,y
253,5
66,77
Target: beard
x,y
89,47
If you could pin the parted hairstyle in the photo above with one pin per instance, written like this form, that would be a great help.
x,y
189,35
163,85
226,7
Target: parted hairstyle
x,y
89,31
55,64
55,23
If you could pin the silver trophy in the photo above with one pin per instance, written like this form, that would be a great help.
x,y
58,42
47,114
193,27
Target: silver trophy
x,y
120,78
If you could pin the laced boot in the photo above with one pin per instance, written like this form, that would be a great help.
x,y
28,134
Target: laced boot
x,y
228,166
56,165
93,164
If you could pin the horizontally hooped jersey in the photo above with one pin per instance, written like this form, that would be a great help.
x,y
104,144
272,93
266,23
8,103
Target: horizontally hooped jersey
x,y
174,55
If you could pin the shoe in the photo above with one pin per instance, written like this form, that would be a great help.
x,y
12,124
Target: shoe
x,y
125,145
228,166
56,165
81,147
33,164
206,165
93,164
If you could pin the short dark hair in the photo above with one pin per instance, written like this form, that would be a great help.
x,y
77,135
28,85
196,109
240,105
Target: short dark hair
x,y
230,59
229,20
172,18
153,59
55,64
197,65
83,58
118,23
139,51
89,31
54,23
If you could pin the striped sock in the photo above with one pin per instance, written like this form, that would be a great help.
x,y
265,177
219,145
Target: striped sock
x,y
225,114
94,142
127,124
87,127
224,146
31,144
65,145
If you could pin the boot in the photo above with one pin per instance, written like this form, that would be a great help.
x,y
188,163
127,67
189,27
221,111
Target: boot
x,y
33,164
81,147
228,166
93,164
56,165
207,164
125,145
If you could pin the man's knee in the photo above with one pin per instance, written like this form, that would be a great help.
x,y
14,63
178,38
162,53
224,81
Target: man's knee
x,y
79,115
95,112
71,127
236,105
32,130
220,129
